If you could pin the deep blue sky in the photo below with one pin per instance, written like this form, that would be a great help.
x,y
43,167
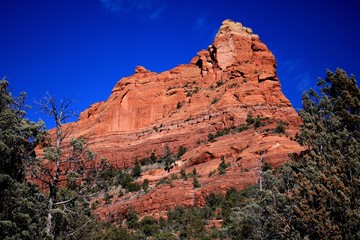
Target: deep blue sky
x,y
81,48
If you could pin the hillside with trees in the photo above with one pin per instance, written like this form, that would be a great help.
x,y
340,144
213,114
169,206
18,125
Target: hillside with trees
x,y
314,195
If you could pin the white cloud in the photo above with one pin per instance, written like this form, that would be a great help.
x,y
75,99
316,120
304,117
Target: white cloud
x,y
304,82
292,65
150,9
294,69
200,23
113,6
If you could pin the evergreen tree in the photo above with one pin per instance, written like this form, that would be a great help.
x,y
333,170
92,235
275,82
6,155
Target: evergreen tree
x,y
169,159
327,174
18,136
316,195
21,204
136,171
222,166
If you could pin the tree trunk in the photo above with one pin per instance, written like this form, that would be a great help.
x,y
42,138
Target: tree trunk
x,y
55,181
49,219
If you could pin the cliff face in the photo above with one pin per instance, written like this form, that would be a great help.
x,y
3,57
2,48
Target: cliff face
x,y
234,77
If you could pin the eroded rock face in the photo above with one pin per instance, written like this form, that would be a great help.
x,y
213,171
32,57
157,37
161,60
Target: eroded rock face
x,y
234,77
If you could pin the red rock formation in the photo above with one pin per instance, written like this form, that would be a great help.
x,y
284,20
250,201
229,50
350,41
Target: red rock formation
x,y
235,76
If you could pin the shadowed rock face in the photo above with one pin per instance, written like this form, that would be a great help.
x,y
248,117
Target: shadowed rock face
x,y
147,111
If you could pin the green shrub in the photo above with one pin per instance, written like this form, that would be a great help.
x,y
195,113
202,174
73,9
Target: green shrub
x,y
280,128
257,122
174,176
132,218
108,197
181,151
219,83
196,183
196,90
211,137
215,100
164,236
136,171
222,166
145,185
249,119
183,174
153,158
178,105
212,172
149,226
133,187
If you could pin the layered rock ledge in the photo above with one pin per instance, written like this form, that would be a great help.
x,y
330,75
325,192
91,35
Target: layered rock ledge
x,y
217,90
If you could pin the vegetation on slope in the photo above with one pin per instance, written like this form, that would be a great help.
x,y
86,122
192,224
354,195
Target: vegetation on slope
x,y
315,195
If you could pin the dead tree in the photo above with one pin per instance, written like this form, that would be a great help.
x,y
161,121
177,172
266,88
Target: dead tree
x,y
71,164
260,168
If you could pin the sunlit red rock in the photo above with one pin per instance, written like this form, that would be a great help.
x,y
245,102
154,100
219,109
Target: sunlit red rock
x,y
233,77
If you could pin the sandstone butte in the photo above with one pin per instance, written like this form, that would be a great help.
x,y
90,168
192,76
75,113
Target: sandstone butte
x,y
147,111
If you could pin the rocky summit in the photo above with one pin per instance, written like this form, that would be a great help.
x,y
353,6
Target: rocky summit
x,y
224,105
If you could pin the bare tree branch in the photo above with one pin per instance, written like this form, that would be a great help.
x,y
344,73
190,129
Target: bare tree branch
x,y
79,229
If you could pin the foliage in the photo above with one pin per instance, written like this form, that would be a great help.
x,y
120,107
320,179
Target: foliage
x,y
280,128
67,174
18,136
178,105
22,206
222,166
153,157
196,183
107,232
136,171
211,137
165,236
132,218
181,151
145,185
219,83
169,161
108,197
212,172
215,100
316,194
149,226
313,196
257,122
250,119
219,133
112,176
183,174
22,210
327,173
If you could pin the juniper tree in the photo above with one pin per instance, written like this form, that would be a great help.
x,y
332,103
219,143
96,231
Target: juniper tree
x,y
326,199
19,136
21,203
316,194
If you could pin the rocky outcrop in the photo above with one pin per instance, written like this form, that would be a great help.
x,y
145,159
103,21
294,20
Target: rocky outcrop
x,y
215,92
